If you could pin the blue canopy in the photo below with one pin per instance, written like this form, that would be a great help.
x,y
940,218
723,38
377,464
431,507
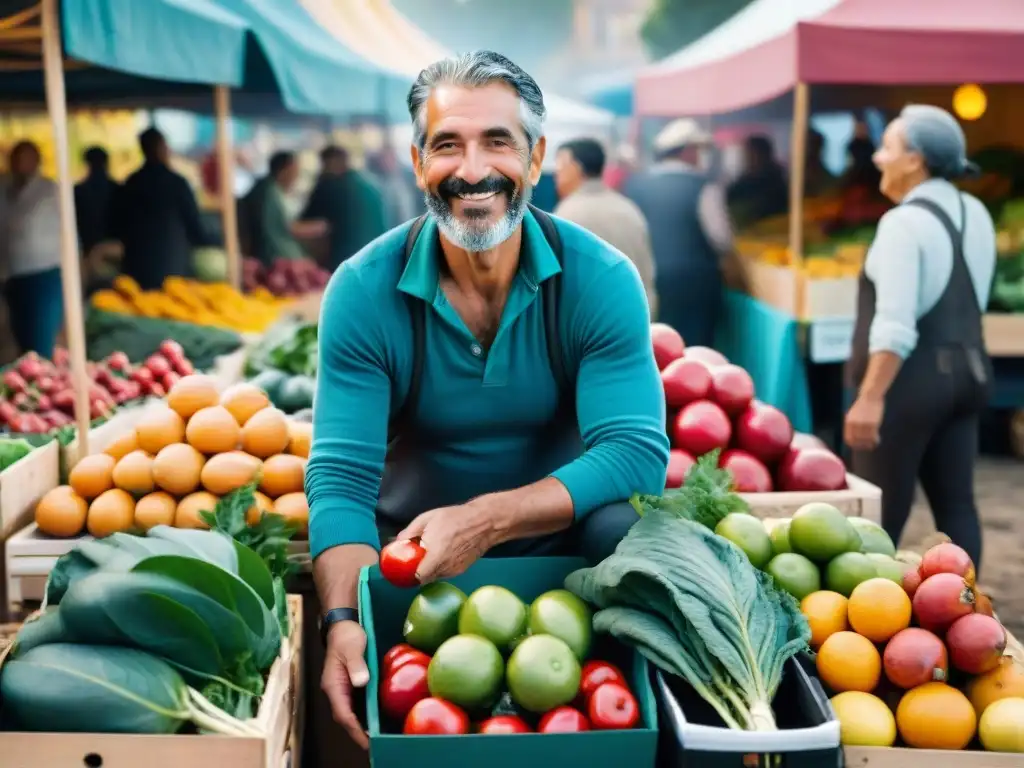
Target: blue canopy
x,y
612,92
170,52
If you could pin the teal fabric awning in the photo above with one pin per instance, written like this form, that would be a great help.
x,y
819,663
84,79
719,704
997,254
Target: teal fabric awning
x,y
272,53
187,41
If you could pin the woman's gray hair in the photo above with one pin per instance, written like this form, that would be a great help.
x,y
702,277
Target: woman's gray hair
x,y
473,70
938,138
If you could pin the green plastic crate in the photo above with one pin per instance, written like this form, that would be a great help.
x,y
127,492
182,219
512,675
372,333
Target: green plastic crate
x,y
383,608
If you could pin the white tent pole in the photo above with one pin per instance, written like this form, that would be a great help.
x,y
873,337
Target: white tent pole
x,y
71,279
797,168
226,191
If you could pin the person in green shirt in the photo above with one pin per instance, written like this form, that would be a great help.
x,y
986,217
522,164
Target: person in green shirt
x,y
270,232
350,203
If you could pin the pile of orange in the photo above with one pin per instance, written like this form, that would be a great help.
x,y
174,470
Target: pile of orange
x,y
873,708
180,459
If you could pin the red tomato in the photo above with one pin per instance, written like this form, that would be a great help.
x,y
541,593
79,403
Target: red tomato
x,y
563,720
596,672
504,724
402,689
399,561
612,707
389,658
435,717
411,656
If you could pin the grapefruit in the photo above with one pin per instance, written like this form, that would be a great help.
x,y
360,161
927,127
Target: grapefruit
x,y
936,716
213,430
466,670
847,661
494,613
543,673
563,615
266,433
159,427
283,473
111,512
227,472
1001,728
887,567
826,612
134,473
821,532
154,509
1004,681
780,537
187,513
244,400
864,720
92,475
879,608
294,508
873,537
61,512
191,394
177,469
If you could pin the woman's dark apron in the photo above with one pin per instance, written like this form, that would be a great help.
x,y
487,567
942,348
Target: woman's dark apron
x,y
947,375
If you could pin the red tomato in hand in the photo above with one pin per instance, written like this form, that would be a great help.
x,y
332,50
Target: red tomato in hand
x,y
409,656
399,561
402,689
435,717
596,672
612,707
504,724
563,720
389,658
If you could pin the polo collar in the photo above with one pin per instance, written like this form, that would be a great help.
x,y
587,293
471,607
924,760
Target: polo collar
x,y
537,262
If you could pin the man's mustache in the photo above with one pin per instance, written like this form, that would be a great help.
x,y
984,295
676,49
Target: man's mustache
x,y
455,187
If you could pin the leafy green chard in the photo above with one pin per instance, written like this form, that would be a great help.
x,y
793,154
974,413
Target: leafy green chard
x,y
268,539
692,603
705,497
105,689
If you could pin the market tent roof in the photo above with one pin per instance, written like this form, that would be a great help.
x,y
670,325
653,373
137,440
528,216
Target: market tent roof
x,y
172,51
376,30
771,45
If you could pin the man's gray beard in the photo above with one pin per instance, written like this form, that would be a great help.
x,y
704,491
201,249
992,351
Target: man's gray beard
x,y
478,237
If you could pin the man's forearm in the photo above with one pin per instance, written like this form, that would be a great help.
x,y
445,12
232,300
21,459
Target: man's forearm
x,y
537,509
336,574
883,367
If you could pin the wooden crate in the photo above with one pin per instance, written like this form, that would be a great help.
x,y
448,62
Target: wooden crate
x,y
22,485
279,717
860,499
793,292
1004,335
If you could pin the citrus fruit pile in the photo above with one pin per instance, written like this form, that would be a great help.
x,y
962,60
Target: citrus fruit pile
x,y
920,662
182,456
491,660
817,548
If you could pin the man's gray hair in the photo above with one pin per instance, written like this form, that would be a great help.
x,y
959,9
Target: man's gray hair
x,y
473,70
937,136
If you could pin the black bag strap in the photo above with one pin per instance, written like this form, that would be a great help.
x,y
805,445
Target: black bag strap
x,y
956,237
550,298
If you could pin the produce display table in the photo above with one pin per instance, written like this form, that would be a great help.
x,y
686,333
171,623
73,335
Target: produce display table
x,y
860,499
280,718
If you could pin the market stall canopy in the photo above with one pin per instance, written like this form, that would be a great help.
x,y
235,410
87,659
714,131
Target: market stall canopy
x,y
171,51
375,30
771,45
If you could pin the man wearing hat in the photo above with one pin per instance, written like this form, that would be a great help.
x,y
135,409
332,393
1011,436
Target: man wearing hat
x,y
689,227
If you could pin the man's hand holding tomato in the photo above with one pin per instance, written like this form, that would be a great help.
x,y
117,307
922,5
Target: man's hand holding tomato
x,y
454,538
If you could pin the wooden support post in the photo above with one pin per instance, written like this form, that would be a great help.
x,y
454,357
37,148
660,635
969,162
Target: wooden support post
x,y
74,319
226,191
797,169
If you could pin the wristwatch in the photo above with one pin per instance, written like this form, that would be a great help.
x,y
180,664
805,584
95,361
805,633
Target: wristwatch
x,y
335,616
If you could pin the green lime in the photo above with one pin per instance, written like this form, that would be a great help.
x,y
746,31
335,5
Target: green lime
x,y
848,570
873,537
887,567
562,614
780,537
543,673
747,533
494,613
795,574
433,616
820,531
466,670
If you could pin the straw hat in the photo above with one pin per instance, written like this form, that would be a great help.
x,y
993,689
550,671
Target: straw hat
x,y
681,133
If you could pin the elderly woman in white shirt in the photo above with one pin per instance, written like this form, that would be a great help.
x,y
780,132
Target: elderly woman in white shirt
x,y
30,252
918,363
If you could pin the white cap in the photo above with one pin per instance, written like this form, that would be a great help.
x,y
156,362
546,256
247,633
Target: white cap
x,y
681,133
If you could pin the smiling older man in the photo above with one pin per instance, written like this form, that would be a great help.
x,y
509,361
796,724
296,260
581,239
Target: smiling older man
x,y
486,378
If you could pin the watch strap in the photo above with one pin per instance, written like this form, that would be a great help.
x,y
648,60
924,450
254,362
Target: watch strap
x,y
336,616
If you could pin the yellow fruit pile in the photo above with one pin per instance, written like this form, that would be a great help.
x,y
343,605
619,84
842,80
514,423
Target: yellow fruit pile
x,y
180,459
214,304
894,683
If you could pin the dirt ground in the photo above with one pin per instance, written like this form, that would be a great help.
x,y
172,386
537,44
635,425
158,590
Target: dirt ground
x,y
999,485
